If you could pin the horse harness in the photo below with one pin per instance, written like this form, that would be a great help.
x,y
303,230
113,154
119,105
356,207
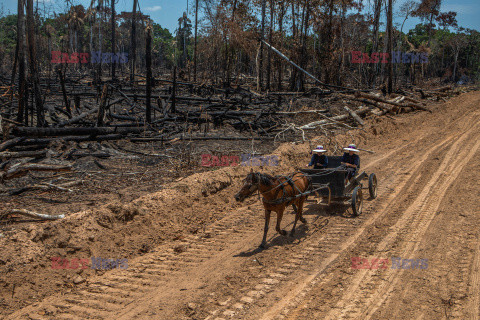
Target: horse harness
x,y
284,199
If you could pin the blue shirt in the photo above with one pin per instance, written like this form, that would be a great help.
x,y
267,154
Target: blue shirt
x,y
352,159
319,162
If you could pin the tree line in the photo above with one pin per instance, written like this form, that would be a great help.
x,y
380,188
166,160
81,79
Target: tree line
x,y
220,42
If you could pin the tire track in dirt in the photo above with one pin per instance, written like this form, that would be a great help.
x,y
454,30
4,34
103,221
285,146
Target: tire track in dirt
x,y
326,242
433,207
369,288
474,302
120,288
300,292
117,291
277,276
451,301
389,197
464,301
268,284
333,236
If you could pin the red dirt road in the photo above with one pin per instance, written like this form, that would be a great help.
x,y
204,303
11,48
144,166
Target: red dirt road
x,y
427,208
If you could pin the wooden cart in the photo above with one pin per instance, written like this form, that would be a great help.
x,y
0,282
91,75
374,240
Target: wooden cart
x,y
334,176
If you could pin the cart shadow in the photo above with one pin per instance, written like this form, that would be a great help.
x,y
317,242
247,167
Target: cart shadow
x,y
323,210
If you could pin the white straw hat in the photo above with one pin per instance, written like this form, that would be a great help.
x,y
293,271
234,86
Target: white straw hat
x,y
319,149
351,147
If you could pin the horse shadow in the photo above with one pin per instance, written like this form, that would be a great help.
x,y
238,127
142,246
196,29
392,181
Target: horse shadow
x,y
277,240
314,210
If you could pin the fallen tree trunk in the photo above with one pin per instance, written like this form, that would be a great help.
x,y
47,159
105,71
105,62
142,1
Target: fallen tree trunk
x,y
426,93
256,113
416,106
21,170
123,117
115,102
53,132
78,118
378,99
370,102
10,143
414,101
445,88
37,215
219,138
354,115
45,141
22,154
298,112
313,125
45,186
101,155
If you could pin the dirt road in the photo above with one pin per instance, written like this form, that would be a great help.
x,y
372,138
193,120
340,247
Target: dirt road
x,y
427,209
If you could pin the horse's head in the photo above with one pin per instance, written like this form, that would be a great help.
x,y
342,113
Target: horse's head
x,y
250,185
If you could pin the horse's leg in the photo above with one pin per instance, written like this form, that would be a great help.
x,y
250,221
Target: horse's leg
x,y
279,220
300,209
301,201
265,229
296,219
294,207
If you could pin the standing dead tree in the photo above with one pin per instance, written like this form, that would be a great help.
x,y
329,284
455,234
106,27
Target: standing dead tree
x,y
262,36
195,52
376,22
113,37
21,61
148,58
33,65
269,56
103,103
390,45
133,47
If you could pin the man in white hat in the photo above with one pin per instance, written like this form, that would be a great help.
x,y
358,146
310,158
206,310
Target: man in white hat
x,y
319,159
351,160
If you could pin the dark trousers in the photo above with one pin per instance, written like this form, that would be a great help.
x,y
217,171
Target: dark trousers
x,y
351,172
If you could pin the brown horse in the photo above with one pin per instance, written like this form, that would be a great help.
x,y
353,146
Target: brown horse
x,y
278,193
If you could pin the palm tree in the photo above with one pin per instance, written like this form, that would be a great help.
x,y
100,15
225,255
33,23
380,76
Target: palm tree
x,y
184,26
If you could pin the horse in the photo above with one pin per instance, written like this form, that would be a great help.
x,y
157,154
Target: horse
x,y
278,193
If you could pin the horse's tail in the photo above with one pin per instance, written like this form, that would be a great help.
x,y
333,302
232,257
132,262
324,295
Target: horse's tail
x,y
295,188
309,183
308,186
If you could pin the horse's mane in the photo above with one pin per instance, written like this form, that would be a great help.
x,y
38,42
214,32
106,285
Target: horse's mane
x,y
265,179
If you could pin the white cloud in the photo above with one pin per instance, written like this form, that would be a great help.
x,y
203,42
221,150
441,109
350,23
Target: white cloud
x,y
154,8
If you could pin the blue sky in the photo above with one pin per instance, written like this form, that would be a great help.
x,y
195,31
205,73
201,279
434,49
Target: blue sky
x,y
167,12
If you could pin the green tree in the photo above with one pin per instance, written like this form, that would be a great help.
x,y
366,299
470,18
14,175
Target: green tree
x,y
184,32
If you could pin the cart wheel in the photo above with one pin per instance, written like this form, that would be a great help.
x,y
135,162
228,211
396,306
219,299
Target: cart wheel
x,y
357,201
372,185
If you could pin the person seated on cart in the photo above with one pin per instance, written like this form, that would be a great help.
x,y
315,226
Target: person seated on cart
x,y
319,159
351,160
